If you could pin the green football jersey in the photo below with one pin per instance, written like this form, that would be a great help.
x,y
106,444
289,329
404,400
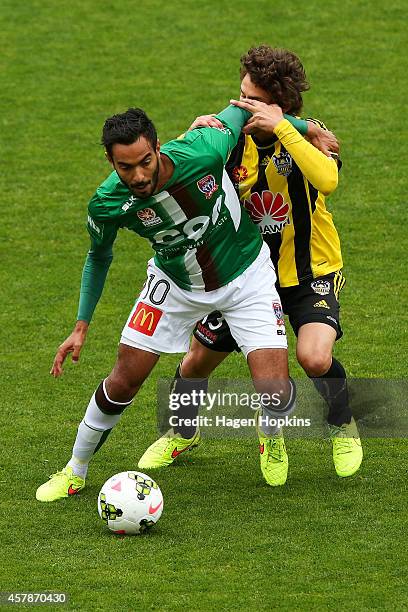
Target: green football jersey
x,y
201,236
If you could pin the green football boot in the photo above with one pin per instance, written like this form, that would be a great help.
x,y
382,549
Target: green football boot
x,y
166,449
62,484
347,450
273,456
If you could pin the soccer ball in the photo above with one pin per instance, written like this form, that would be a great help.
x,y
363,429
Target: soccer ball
x,y
130,503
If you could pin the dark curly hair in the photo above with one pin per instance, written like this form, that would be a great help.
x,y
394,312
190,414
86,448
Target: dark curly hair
x,y
126,128
279,72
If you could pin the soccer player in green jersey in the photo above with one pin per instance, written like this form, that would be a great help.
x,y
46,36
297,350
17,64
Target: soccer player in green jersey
x,y
208,255
282,182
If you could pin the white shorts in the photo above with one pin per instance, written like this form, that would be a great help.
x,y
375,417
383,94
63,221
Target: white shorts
x,y
164,315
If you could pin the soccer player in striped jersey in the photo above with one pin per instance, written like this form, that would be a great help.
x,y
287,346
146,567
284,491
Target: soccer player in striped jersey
x,y
282,181
208,254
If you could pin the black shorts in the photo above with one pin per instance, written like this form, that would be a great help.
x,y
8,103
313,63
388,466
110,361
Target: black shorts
x,y
313,301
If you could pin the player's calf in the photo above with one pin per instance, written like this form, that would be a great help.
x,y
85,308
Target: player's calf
x,y
184,433
270,420
278,399
104,410
101,416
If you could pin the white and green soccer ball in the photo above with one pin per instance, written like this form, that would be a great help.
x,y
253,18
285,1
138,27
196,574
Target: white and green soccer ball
x,y
130,503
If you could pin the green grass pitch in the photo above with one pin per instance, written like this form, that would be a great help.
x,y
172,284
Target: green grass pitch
x,y
226,541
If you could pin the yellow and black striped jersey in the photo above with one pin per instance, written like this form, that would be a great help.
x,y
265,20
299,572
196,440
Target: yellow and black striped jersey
x,y
282,184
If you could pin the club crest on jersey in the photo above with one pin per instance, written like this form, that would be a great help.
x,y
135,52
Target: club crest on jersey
x,y
239,174
320,286
207,185
277,308
148,217
283,163
268,210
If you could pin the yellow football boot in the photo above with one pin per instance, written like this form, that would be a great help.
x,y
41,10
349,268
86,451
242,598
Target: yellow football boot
x,y
62,484
347,450
166,449
273,457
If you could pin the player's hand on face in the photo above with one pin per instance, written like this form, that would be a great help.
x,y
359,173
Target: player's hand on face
x,y
206,121
73,344
265,117
324,140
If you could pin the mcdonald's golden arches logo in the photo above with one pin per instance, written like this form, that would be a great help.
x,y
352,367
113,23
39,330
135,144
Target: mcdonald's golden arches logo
x,y
145,319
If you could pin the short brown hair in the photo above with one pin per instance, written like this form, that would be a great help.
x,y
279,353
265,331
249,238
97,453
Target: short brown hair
x,y
279,72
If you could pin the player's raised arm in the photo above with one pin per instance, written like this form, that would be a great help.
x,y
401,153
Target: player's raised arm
x,y
233,118
223,139
324,140
319,169
206,121
266,116
230,123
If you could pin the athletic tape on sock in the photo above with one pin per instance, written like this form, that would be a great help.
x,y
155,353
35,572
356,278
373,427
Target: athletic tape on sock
x,y
274,416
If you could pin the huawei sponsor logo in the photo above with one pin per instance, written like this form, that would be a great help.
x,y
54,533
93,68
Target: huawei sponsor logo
x,y
268,210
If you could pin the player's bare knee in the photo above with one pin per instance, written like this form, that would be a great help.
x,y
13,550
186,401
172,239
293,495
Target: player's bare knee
x,y
191,367
315,363
120,388
122,384
268,364
132,368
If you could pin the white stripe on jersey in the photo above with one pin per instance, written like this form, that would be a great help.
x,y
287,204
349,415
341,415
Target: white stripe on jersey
x,y
231,200
171,207
194,270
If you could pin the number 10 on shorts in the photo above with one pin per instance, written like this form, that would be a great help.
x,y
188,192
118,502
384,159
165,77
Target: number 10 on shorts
x,y
145,319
